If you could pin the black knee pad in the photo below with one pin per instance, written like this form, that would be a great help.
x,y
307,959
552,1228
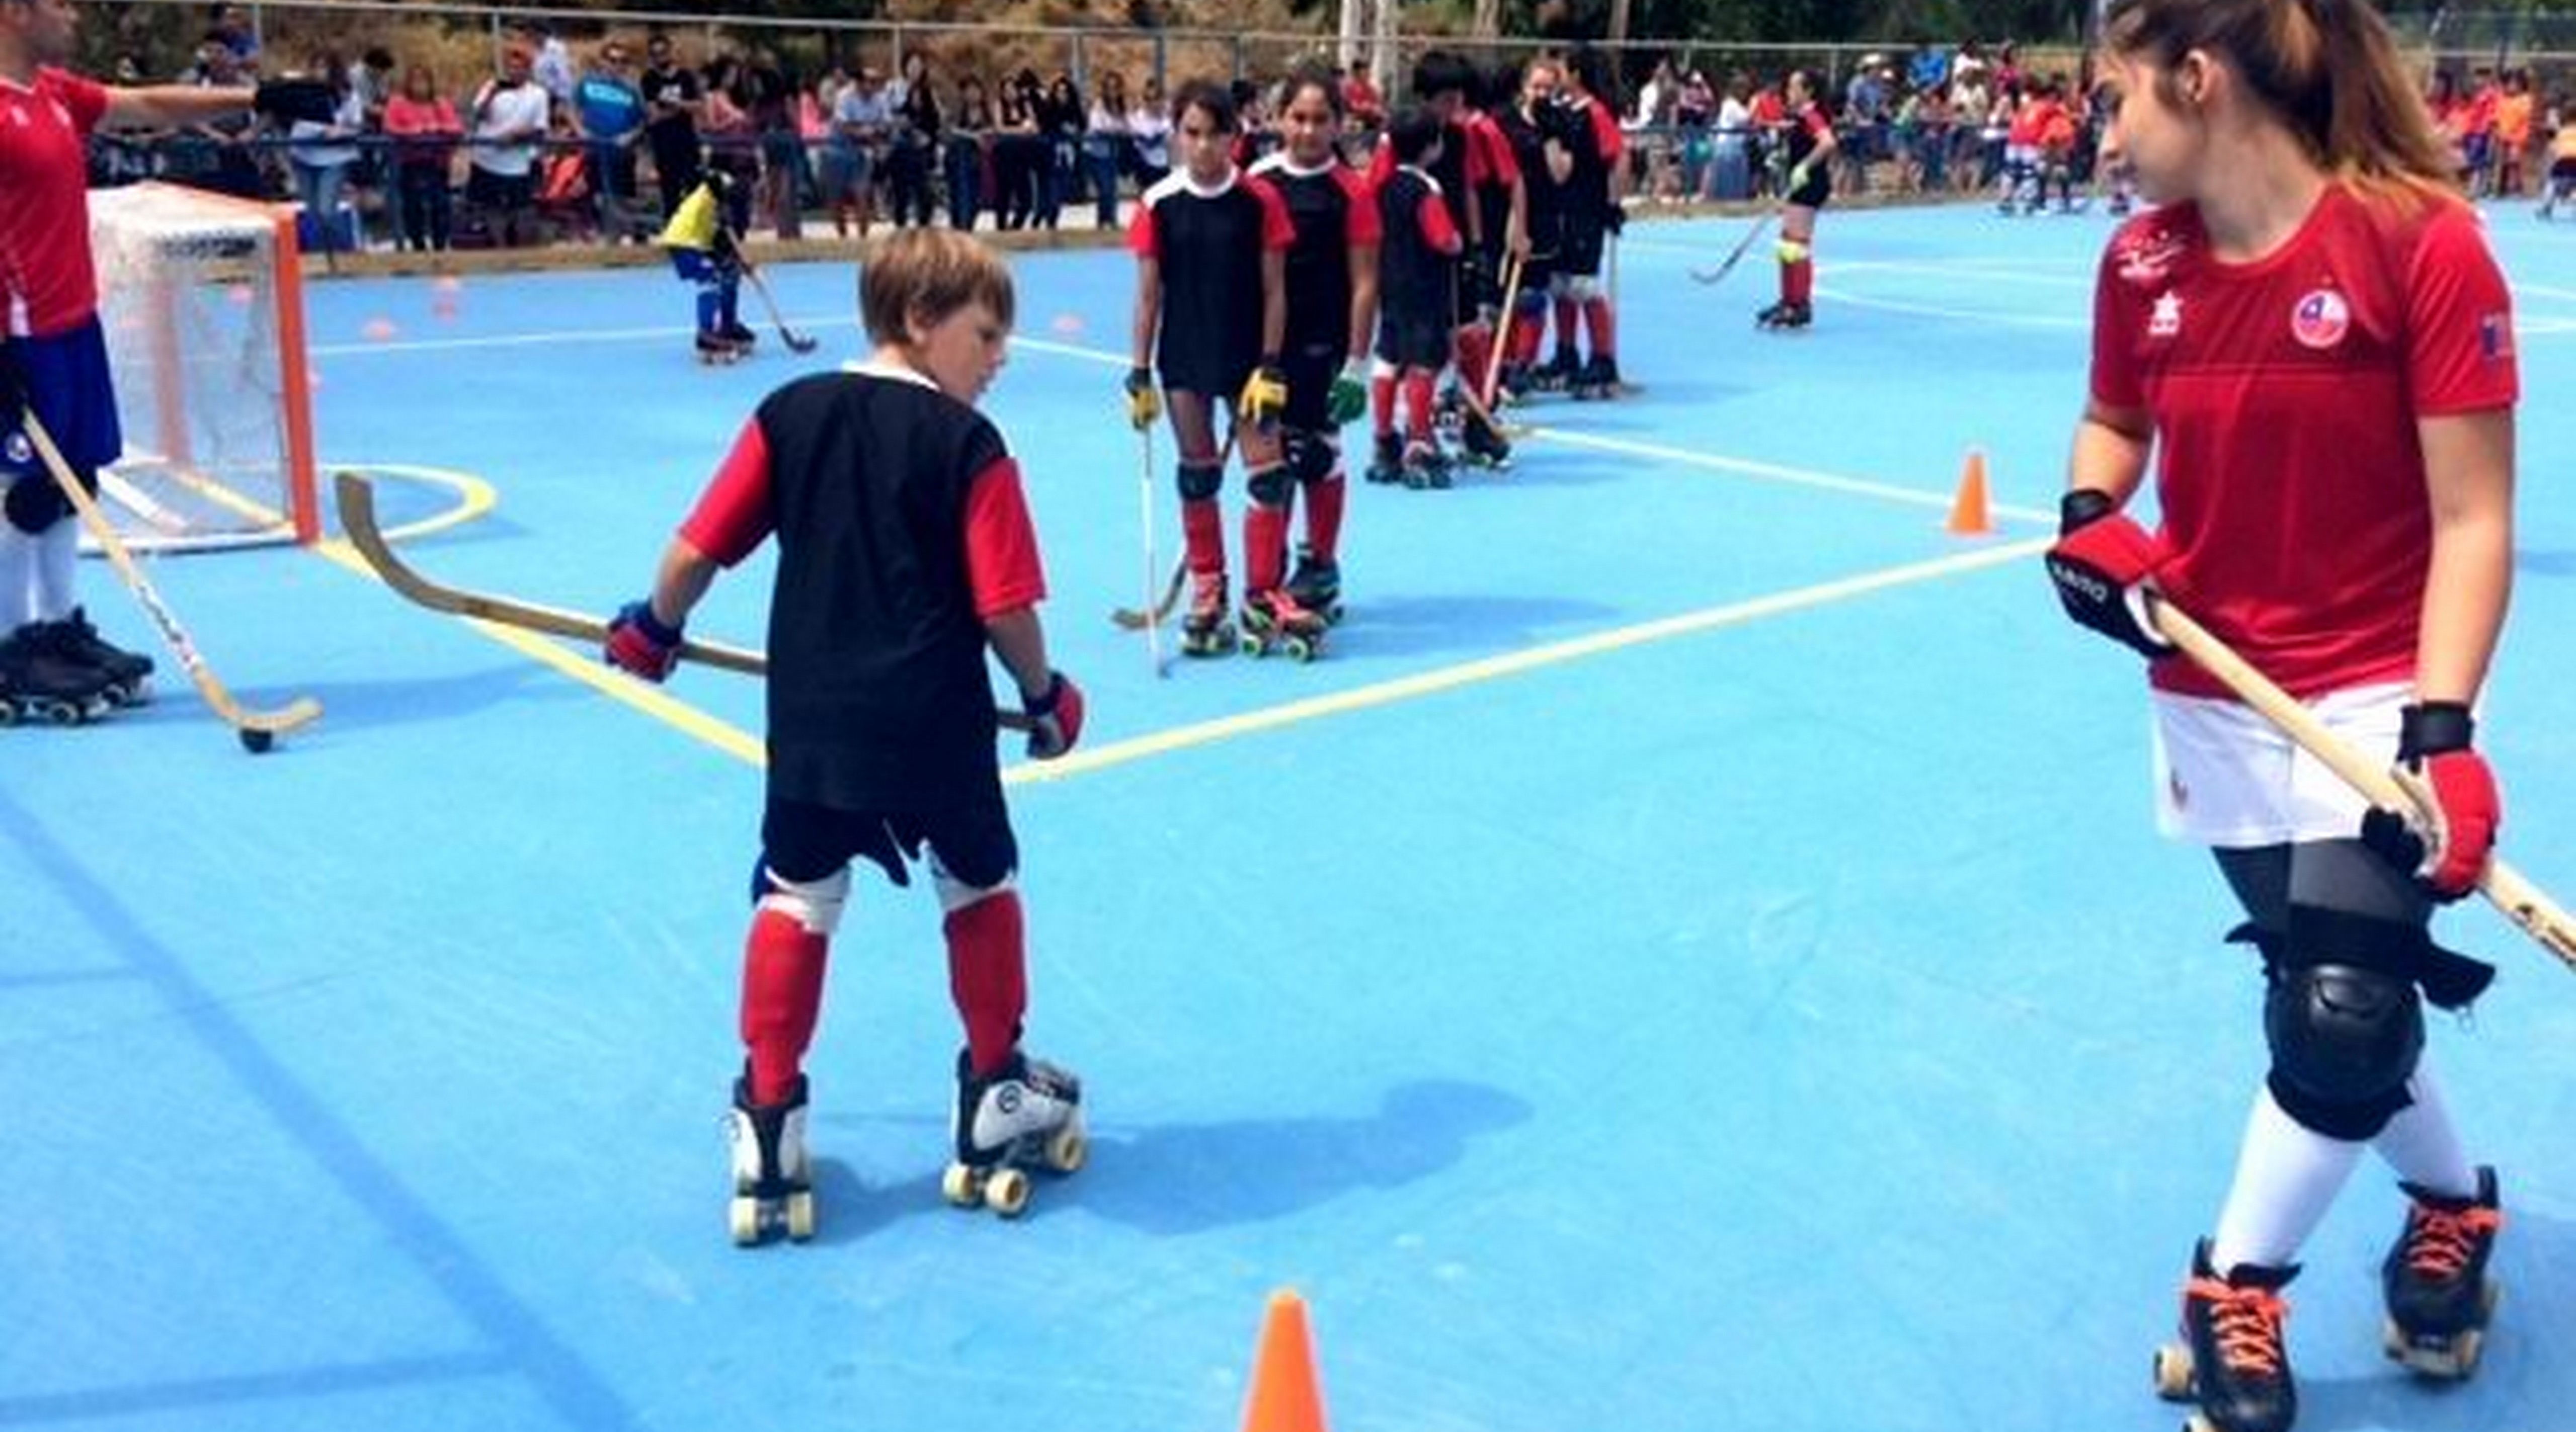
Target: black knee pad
x,y
35,503
2345,1039
1199,481
1269,486
1311,456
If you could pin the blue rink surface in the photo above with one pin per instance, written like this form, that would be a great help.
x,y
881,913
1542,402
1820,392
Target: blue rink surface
x,y
1694,954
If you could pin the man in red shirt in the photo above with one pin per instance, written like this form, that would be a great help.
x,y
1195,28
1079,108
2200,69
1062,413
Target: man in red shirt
x,y
53,358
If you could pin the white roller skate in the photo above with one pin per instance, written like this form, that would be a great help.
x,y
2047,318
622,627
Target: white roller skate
x,y
773,1186
1026,1114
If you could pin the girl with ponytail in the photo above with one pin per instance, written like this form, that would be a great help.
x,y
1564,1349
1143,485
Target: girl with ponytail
x,y
2311,341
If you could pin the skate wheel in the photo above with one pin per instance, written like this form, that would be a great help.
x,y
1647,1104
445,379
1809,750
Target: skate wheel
x,y
745,1221
800,1216
1300,649
961,1186
2173,1372
1067,1148
1007,1192
1253,646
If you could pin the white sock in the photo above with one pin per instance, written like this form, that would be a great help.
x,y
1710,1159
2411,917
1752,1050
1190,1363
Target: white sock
x,y
17,578
57,565
2287,1175
2423,1145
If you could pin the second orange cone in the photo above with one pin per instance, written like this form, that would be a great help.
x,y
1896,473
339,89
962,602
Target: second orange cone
x,y
1286,1395
1970,513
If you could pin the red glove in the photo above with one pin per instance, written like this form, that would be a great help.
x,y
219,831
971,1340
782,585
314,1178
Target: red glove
x,y
2101,562
1055,716
640,645
2446,839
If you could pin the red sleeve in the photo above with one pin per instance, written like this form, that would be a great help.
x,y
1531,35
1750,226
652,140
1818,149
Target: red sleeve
x,y
1818,123
1364,226
2459,321
1001,543
1381,165
2116,383
1501,166
1605,132
1437,230
1278,231
86,99
1140,233
732,517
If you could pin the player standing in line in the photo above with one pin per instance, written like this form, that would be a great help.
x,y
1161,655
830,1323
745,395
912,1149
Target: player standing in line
x,y
2313,341
904,552
53,356
1211,248
1593,213
1445,85
1331,283
1535,128
1810,147
1417,260
704,250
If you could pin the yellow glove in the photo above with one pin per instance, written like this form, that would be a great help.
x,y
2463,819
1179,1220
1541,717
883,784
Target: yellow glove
x,y
1265,396
1144,405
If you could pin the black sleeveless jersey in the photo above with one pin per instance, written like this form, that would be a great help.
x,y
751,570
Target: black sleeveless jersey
x,y
1325,205
1210,247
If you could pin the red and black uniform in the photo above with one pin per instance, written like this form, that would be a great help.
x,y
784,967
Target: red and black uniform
x,y
1544,207
901,527
1451,182
1597,146
1493,169
2285,395
1330,211
1417,267
1209,246
1809,126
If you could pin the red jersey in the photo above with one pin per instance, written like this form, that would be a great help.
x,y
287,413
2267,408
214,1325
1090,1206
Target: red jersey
x,y
2284,395
46,276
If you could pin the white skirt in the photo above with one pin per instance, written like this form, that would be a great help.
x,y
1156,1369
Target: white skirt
x,y
2228,778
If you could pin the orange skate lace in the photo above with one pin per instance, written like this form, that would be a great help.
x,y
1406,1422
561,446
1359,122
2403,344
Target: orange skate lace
x,y
2441,1242
2247,1322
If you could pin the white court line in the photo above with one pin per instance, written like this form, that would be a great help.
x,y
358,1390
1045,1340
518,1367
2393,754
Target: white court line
x,y
1965,315
1774,472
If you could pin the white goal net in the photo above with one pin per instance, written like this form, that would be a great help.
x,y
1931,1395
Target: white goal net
x,y
201,299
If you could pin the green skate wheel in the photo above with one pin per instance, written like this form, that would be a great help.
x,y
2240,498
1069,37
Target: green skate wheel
x,y
1300,649
1006,1192
1253,646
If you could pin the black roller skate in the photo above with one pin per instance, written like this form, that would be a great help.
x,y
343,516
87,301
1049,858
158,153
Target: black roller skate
x,y
1317,585
1277,621
2439,1296
1026,1114
773,1186
1556,374
1448,411
1599,380
1785,314
1512,386
1204,629
741,337
39,686
1484,443
2232,1360
129,674
1386,459
1425,465
715,350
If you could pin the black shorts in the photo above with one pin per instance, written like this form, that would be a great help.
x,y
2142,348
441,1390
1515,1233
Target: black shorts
x,y
803,842
1813,194
1413,340
1310,376
1218,377
1579,255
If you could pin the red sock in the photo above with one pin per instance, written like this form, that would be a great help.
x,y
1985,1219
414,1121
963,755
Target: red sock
x,y
1600,326
1566,317
1475,344
1798,281
1527,334
988,976
782,994
1417,402
1203,532
1324,515
1265,546
1382,402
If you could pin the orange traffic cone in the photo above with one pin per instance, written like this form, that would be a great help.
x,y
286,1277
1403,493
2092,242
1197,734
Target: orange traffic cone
x,y
1285,1396
1969,514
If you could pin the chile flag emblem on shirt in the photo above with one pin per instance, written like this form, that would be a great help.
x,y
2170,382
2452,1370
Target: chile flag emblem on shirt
x,y
2321,319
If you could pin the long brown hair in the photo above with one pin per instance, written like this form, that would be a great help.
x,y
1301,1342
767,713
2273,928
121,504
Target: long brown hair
x,y
2327,68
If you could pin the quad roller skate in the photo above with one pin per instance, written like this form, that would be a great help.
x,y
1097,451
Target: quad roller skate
x,y
717,351
1276,621
1386,459
773,1187
1483,443
2232,1359
1204,628
2439,1296
1425,465
1599,381
1785,314
1317,585
38,686
76,642
1026,1114
1556,374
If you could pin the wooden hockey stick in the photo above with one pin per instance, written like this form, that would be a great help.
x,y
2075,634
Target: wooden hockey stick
x,y
1502,328
357,499
2525,904
1150,619
1743,246
1145,512
257,730
795,341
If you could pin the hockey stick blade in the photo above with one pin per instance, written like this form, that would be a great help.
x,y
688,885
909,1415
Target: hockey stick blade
x,y
2525,904
1134,620
796,342
357,499
256,729
1736,255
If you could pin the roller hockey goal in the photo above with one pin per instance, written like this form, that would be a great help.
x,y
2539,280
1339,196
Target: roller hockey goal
x,y
201,298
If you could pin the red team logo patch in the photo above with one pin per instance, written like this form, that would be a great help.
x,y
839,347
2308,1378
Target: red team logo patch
x,y
2321,319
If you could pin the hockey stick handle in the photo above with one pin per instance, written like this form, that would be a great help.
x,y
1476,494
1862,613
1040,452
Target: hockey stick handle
x,y
789,336
1502,327
357,501
2525,904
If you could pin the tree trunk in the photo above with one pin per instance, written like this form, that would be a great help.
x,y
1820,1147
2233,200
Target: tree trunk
x,y
1618,38
1489,19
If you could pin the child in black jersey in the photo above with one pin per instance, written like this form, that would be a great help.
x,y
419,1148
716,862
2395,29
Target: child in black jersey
x,y
1211,248
1417,274
905,552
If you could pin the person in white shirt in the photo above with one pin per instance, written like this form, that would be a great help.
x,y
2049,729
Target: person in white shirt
x,y
509,116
